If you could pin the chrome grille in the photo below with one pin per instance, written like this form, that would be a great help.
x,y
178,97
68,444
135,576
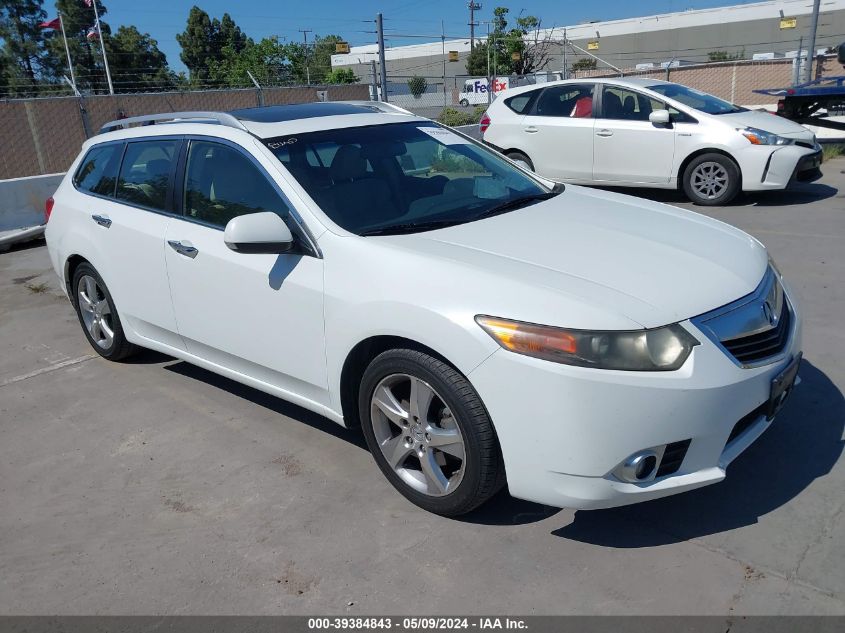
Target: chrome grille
x,y
755,329
760,346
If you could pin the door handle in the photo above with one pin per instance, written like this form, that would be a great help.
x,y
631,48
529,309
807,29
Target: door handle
x,y
102,220
531,129
183,249
604,133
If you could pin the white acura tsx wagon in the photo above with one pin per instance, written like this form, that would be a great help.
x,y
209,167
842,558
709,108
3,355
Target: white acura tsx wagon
x,y
483,326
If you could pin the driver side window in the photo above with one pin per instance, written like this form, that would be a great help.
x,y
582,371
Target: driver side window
x,y
221,184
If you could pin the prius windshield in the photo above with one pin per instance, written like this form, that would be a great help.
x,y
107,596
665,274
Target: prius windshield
x,y
403,177
693,98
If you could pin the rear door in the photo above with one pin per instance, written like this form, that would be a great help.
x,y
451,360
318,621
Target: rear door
x,y
558,132
129,206
259,315
628,147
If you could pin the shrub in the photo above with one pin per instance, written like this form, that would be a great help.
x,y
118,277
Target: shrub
x,y
417,85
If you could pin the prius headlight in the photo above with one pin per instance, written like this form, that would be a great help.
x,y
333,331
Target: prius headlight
x,y
660,349
757,136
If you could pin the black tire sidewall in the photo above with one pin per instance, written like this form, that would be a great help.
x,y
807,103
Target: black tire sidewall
x,y
517,156
119,340
464,497
734,182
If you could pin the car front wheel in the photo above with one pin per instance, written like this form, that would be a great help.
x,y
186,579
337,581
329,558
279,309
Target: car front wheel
x,y
711,179
521,159
429,432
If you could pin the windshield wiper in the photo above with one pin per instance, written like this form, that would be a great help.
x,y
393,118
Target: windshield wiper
x,y
414,227
515,203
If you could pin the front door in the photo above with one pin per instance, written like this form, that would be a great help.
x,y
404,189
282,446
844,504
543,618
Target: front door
x,y
259,315
558,132
628,147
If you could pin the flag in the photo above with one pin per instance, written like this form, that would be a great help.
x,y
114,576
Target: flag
x,y
89,3
54,24
92,33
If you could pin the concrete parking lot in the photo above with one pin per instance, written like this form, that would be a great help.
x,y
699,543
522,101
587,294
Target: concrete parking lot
x,y
154,487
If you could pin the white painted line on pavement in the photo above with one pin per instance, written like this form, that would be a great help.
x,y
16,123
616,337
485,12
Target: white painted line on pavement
x,y
46,370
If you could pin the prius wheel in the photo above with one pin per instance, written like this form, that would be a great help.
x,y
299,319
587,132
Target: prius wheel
x,y
429,432
98,316
521,159
711,179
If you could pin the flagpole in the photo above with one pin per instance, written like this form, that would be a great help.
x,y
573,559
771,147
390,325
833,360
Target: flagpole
x,y
103,46
67,51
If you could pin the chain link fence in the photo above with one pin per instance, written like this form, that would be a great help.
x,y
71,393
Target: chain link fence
x,y
43,136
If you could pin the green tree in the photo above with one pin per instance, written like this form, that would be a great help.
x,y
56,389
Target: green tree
x,y
341,76
476,62
85,53
417,85
229,35
136,61
22,43
321,54
527,48
585,63
265,60
199,44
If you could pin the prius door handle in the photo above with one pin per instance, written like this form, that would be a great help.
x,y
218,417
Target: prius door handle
x,y
531,129
183,248
604,132
102,220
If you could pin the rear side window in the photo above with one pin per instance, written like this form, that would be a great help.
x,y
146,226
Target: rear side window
x,y
98,171
145,173
520,103
221,184
569,100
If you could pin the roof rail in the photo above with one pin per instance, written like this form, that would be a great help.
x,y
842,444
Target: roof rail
x,y
220,118
382,106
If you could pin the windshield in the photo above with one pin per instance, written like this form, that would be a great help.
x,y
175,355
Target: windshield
x,y
696,99
403,177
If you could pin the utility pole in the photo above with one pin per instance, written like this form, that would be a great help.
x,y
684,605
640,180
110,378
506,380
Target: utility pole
x,y
443,50
811,51
375,80
383,69
565,69
305,33
473,7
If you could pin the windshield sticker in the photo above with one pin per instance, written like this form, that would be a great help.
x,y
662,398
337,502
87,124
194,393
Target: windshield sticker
x,y
278,144
445,136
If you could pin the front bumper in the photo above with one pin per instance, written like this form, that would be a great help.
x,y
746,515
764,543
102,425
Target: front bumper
x,y
564,431
778,167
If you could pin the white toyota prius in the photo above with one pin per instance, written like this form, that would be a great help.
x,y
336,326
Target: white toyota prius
x,y
649,133
483,326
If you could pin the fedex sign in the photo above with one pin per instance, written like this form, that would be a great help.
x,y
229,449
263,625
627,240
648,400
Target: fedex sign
x,y
480,86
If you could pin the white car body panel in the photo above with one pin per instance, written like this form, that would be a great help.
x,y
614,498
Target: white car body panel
x,y
586,259
637,153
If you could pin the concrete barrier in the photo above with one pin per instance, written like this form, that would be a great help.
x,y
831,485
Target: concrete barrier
x,y
22,207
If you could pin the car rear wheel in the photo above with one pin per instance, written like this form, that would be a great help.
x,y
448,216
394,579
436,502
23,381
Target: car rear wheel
x,y
521,159
97,314
429,432
711,179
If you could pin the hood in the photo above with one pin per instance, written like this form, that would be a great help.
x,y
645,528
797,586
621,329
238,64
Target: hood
x,y
768,122
612,254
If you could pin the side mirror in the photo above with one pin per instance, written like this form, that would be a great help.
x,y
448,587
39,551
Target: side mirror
x,y
263,232
660,117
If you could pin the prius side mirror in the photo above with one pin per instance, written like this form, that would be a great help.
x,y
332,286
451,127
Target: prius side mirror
x,y
660,117
263,232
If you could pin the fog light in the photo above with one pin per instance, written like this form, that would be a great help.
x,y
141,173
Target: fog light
x,y
639,466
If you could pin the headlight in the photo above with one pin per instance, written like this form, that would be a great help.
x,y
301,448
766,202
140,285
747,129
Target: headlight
x,y
761,137
660,349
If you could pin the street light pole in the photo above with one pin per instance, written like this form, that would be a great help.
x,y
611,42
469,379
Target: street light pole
x,y
811,51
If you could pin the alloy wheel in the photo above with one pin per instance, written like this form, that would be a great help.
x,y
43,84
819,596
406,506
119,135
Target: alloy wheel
x,y
710,180
95,311
417,434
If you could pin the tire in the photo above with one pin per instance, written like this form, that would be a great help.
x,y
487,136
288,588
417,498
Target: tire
x,y
464,102
711,179
102,317
522,159
454,413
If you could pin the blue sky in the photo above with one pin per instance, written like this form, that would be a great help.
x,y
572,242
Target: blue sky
x,y
353,19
